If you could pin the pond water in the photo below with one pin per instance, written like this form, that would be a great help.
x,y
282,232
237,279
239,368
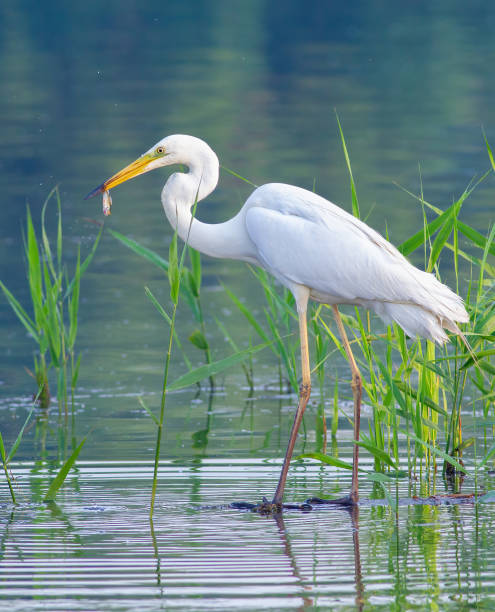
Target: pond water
x,y
88,87
96,550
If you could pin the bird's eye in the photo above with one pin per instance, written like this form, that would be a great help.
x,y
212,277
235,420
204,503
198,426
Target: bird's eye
x,y
160,150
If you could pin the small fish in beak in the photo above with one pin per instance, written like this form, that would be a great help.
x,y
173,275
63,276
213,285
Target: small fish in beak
x,y
107,203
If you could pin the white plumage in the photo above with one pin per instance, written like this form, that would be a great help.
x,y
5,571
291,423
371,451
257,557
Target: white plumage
x,y
304,239
314,248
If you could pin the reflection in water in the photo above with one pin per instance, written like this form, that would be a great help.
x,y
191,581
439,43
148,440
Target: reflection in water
x,y
156,553
97,542
287,549
308,599
358,577
200,437
6,534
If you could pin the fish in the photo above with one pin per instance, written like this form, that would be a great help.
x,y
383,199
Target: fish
x,y
107,203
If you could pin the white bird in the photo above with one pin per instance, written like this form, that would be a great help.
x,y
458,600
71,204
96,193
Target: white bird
x,y
314,248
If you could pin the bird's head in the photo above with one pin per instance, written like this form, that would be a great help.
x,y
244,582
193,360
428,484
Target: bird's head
x,y
175,149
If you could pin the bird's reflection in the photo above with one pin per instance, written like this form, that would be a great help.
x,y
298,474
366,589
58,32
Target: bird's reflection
x,y
358,576
307,596
287,548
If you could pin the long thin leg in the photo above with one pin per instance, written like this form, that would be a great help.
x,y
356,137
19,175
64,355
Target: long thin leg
x,y
305,390
356,385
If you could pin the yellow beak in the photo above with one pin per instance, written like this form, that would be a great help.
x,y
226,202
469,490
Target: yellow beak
x,y
137,167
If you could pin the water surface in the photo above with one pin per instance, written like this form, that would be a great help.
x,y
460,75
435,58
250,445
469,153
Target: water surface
x,y
95,548
86,88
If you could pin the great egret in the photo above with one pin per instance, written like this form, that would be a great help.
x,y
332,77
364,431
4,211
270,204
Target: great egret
x,y
314,248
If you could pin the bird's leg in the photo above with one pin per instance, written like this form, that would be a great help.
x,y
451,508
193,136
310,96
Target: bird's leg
x,y
356,385
304,393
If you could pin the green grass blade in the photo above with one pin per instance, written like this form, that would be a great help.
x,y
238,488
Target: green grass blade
x,y
282,304
379,453
489,151
326,459
74,302
417,239
282,352
173,269
158,306
168,319
75,372
489,454
249,316
478,356
422,397
6,470
212,369
153,417
148,254
34,269
53,326
2,449
382,480
355,203
391,383
15,446
190,292
195,259
227,335
21,314
437,451
189,279
444,232
59,230
44,238
238,176
86,262
428,230
475,261
488,367
59,479
442,236
474,236
485,325
386,478
198,340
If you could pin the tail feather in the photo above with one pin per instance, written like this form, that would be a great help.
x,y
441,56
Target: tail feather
x,y
416,321
427,307
440,300
438,308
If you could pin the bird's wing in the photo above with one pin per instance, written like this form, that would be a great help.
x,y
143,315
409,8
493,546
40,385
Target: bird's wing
x,y
304,239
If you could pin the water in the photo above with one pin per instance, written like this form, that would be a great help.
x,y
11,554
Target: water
x,y
96,550
85,89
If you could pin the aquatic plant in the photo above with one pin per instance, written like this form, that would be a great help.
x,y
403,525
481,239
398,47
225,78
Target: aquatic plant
x,y
189,287
61,475
7,458
55,306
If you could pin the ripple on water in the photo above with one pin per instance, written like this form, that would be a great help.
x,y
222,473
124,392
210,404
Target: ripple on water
x,y
96,550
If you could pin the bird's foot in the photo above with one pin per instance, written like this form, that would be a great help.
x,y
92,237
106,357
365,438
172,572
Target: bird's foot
x,y
347,502
266,507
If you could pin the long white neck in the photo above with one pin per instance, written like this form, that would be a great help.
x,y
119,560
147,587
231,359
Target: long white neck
x,y
183,191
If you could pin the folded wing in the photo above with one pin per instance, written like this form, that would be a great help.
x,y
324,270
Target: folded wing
x,y
304,239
